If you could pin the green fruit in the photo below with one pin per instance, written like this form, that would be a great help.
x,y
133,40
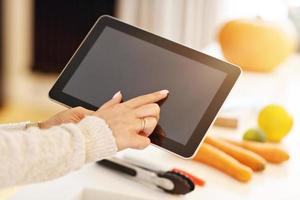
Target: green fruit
x,y
275,121
254,135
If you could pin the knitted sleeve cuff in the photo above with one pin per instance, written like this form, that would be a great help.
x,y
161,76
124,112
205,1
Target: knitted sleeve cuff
x,y
99,139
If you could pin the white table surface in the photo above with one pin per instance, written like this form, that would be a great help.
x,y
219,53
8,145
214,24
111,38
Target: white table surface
x,y
276,182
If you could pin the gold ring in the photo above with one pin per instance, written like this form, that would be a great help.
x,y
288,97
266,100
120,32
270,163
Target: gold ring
x,y
143,124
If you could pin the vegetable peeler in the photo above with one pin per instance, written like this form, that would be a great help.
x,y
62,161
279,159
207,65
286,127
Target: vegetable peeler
x,y
169,181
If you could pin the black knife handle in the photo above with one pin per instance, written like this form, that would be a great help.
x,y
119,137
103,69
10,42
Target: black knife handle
x,y
118,167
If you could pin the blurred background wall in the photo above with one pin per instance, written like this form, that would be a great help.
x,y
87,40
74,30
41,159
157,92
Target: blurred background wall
x,y
39,36
194,22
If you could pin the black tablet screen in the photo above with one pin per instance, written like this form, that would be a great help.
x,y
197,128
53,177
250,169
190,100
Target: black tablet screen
x,y
118,61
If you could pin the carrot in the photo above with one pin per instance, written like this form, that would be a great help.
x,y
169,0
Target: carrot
x,y
216,158
246,157
268,151
226,122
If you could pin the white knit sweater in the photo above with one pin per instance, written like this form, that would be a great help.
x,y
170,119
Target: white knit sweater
x,y
34,155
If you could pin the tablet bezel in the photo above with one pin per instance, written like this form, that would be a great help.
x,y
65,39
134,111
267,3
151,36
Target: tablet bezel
x,y
186,151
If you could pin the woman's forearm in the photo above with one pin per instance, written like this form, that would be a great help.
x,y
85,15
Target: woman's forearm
x,y
34,155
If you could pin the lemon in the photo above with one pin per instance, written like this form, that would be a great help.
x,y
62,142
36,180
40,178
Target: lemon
x,y
256,135
275,121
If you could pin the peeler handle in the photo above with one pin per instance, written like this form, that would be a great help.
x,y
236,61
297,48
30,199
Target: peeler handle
x,y
117,167
138,173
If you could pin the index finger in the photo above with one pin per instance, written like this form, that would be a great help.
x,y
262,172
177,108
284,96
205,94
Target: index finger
x,y
146,99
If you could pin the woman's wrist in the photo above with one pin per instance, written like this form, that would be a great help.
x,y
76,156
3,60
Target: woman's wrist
x,y
99,139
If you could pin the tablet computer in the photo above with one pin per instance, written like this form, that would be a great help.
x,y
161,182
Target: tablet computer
x,y
117,56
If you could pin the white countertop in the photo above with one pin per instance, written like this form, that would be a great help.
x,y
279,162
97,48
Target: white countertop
x,y
276,182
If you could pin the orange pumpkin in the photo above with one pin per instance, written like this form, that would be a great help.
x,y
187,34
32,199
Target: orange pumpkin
x,y
256,45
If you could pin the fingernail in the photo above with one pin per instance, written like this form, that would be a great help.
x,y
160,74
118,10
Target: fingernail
x,y
117,94
164,92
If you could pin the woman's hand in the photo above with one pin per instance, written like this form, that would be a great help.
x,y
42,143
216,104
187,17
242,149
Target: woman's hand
x,y
72,115
134,120
131,121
